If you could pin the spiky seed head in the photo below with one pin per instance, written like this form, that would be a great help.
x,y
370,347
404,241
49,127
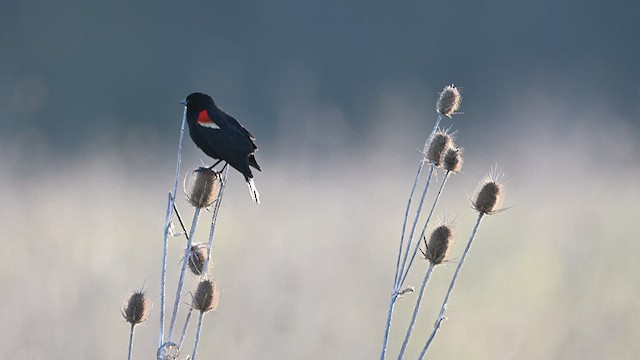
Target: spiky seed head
x,y
489,196
439,144
453,160
203,187
197,258
438,246
449,101
137,309
168,351
206,296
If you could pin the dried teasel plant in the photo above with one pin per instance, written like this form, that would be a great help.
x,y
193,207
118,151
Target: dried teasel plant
x,y
437,248
449,101
197,258
453,160
490,194
205,299
487,200
440,143
435,252
203,187
135,311
441,154
434,153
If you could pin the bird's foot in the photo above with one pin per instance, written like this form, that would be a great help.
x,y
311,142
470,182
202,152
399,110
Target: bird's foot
x,y
214,165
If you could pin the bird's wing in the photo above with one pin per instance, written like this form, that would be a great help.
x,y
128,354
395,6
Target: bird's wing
x,y
234,129
246,132
223,128
235,122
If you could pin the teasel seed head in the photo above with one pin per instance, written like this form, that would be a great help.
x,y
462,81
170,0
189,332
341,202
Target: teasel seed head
x,y
449,101
453,160
168,351
137,308
439,243
489,194
438,146
203,187
197,258
206,296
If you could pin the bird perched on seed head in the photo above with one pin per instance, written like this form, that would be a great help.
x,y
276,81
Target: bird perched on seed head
x,y
222,137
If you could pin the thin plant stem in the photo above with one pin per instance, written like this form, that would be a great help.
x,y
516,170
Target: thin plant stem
x,y
385,340
184,229
130,341
424,228
415,224
167,224
214,220
427,275
396,288
186,321
406,218
433,131
187,254
398,272
195,345
186,326
413,189
453,283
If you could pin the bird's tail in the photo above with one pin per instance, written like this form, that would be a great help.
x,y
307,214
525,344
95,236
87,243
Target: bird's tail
x,y
254,192
253,162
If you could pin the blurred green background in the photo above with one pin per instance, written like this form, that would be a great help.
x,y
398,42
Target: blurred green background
x,y
339,94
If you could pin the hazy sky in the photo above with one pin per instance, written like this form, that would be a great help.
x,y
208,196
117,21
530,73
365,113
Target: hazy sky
x,y
76,72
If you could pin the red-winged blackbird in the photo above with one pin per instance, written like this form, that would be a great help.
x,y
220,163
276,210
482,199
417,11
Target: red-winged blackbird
x,y
222,137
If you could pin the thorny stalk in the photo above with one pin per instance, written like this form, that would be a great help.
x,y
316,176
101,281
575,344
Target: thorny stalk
x,y
398,273
415,310
167,224
415,224
195,345
214,220
453,283
183,272
424,228
184,329
130,341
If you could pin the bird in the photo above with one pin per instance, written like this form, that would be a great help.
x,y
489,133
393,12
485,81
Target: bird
x,y
222,137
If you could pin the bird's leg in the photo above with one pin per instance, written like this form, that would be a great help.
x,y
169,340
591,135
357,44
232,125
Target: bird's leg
x,y
214,165
221,171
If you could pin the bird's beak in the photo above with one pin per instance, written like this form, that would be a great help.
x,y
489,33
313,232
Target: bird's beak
x,y
183,102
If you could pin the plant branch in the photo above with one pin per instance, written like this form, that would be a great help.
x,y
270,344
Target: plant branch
x,y
415,224
424,228
187,254
184,229
186,326
398,271
130,341
427,275
214,220
167,223
453,283
195,345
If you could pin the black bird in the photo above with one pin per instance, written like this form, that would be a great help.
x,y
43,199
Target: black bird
x,y
222,137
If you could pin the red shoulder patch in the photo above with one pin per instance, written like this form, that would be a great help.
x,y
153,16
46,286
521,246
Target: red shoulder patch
x,y
203,117
205,121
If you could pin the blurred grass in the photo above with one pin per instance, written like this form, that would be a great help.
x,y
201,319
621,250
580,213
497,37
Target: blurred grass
x,y
307,274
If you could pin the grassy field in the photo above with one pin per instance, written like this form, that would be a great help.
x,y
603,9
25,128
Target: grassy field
x,y
307,274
